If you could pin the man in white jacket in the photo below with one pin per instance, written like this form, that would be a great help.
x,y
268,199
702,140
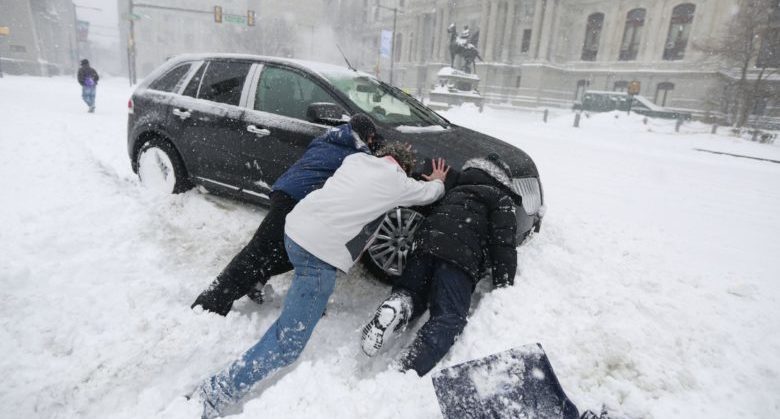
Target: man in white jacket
x,y
320,238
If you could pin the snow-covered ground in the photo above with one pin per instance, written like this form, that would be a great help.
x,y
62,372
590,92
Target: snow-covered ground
x,y
653,285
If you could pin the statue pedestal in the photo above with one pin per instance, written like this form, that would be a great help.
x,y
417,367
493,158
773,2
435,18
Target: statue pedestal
x,y
454,88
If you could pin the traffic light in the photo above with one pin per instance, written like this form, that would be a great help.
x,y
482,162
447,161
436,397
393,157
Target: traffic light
x,y
218,14
250,18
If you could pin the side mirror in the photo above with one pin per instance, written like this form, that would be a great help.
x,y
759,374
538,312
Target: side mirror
x,y
326,113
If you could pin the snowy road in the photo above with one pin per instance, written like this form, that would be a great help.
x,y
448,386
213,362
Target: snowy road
x,y
653,285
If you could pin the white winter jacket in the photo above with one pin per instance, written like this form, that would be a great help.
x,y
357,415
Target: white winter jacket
x,y
361,190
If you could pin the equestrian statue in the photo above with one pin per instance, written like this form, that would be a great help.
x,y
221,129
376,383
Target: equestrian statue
x,y
464,45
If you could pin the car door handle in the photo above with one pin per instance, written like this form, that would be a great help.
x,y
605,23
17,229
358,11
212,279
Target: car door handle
x,y
260,132
181,114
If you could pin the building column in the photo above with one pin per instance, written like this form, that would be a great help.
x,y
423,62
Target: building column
x,y
491,38
444,45
483,25
508,31
656,30
420,39
436,33
548,21
536,29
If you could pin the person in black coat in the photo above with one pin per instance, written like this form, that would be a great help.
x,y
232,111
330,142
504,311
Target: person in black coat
x,y
265,256
88,79
471,230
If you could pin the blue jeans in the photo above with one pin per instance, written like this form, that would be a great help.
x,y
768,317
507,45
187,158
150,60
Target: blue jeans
x,y
312,284
88,94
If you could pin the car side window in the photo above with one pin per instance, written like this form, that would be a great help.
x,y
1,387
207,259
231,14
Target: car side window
x,y
223,82
285,92
192,88
169,82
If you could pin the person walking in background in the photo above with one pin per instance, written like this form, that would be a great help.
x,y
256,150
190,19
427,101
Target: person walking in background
x,y
88,79
264,256
323,235
470,231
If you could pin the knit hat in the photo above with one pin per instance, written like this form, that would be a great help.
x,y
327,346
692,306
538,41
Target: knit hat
x,y
363,126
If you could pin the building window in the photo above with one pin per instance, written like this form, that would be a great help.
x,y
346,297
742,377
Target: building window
x,y
620,86
18,48
517,81
526,43
582,85
662,93
679,31
399,42
592,35
632,35
760,105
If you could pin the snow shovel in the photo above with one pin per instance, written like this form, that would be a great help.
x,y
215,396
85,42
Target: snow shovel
x,y
518,383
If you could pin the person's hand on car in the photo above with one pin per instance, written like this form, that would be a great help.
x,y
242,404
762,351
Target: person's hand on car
x,y
439,171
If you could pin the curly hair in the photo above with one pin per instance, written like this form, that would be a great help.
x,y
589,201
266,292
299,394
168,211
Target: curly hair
x,y
402,153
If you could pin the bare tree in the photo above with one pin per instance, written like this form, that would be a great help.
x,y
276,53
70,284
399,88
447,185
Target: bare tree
x,y
748,45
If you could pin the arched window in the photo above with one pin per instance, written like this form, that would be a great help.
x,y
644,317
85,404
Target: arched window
x,y
592,36
582,85
621,86
632,35
679,31
662,93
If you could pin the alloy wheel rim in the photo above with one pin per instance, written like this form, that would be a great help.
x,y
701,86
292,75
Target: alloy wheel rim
x,y
394,240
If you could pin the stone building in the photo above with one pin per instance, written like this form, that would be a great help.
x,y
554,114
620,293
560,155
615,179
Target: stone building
x,y
41,39
548,52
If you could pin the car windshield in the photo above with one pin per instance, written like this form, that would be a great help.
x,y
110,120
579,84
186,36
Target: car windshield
x,y
384,103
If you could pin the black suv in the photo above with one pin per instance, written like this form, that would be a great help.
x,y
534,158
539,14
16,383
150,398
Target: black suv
x,y
233,124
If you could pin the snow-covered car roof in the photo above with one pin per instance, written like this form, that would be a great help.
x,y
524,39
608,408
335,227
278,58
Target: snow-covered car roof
x,y
314,66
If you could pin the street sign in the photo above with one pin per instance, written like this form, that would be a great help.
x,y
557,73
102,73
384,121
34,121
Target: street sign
x,y
237,19
131,16
386,44
634,87
82,30
5,30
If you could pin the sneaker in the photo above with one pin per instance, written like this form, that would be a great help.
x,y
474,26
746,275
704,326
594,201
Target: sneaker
x,y
91,109
391,316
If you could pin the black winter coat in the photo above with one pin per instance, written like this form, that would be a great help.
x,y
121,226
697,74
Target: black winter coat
x,y
473,225
87,71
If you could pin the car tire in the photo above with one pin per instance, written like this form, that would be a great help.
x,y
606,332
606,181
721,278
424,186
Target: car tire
x,y
161,169
386,256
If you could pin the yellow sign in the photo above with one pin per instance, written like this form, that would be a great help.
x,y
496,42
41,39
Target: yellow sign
x,y
634,87
5,30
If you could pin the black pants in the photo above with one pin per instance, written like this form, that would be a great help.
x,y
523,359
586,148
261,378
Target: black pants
x,y
446,291
263,257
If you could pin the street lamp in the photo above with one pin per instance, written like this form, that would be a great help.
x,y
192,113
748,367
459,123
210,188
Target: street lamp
x,y
392,48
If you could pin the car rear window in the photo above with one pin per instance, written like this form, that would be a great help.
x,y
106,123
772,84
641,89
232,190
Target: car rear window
x,y
192,88
169,82
223,81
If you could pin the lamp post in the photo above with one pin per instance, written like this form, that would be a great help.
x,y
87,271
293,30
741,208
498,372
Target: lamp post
x,y
392,45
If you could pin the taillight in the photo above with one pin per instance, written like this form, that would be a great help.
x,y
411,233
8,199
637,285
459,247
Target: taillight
x,y
130,105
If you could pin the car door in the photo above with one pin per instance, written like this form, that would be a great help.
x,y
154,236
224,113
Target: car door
x,y
207,118
277,130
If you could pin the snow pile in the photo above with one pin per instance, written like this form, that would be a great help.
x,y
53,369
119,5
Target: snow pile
x,y
652,286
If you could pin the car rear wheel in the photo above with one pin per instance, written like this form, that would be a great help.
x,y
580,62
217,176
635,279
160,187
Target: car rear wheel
x,y
161,169
386,256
